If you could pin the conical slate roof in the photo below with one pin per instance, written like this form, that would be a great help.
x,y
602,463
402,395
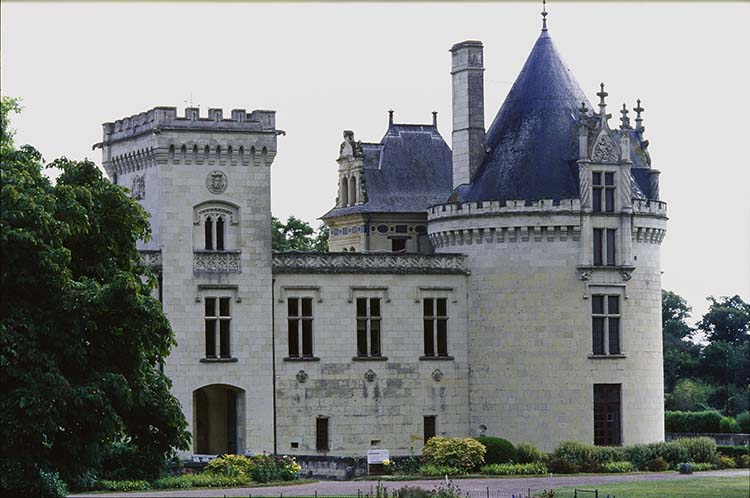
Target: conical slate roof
x,y
532,150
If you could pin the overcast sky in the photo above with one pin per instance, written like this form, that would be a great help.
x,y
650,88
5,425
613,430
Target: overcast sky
x,y
329,67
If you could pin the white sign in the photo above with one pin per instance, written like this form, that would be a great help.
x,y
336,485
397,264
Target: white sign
x,y
377,456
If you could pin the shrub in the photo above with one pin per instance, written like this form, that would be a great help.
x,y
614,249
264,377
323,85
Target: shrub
x,y
671,451
204,480
733,451
743,421
268,468
639,455
122,486
728,424
700,449
618,467
699,467
580,454
742,461
435,470
514,469
527,453
412,492
230,466
462,453
499,450
705,421
559,466
404,466
658,464
125,461
725,462
50,485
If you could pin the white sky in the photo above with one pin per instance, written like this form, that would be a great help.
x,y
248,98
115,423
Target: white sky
x,y
329,67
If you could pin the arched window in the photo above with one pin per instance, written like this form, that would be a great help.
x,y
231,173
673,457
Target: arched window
x,y
220,233
195,153
218,152
242,153
171,152
183,152
230,152
208,226
205,153
351,249
352,191
344,192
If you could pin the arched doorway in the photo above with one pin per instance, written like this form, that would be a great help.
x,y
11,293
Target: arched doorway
x,y
218,420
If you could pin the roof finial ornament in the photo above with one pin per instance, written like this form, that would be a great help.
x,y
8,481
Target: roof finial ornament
x,y
638,119
434,119
544,15
583,111
390,117
602,104
624,120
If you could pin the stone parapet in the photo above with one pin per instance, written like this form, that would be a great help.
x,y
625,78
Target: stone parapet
x,y
151,258
494,208
305,262
216,262
650,207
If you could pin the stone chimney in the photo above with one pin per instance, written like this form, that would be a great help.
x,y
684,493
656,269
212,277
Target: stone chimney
x,y
467,70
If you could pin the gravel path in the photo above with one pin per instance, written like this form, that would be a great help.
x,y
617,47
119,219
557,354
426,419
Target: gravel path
x,y
476,487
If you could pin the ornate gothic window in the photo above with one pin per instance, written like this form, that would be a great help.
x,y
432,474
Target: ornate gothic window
x,y
216,227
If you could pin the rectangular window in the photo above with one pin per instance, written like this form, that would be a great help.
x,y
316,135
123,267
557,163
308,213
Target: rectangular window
x,y
217,321
603,194
607,414
321,434
605,326
430,427
435,326
300,327
368,327
398,245
605,247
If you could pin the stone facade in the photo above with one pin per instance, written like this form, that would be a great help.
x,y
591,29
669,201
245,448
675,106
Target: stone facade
x,y
498,316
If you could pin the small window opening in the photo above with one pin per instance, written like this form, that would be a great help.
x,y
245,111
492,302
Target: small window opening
x,y
321,434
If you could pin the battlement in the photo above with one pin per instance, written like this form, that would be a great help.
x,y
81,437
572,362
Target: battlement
x,y
511,207
650,207
161,119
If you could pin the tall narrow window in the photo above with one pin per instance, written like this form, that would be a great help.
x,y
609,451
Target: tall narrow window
x,y
607,414
217,321
219,233
398,245
605,251
430,427
300,327
208,227
368,327
435,326
321,434
605,317
603,193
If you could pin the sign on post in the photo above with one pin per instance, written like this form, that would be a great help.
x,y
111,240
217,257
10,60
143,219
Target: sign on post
x,y
377,456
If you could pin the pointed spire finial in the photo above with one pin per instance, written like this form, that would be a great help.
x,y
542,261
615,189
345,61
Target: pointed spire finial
x,y
544,15
638,119
390,117
583,111
624,120
434,119
602,104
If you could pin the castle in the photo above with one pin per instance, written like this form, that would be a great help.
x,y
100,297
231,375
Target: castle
x,y
508,285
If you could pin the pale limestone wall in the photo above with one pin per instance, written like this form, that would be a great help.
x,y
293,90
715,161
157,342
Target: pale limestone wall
x,y
367,228
181,186
530,328
391,407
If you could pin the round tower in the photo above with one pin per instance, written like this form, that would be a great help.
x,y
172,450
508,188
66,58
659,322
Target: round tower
x,y
561,224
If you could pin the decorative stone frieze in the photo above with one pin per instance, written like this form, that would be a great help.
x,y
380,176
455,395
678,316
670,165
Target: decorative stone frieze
x,y
151,258
216,262
138,192
301,262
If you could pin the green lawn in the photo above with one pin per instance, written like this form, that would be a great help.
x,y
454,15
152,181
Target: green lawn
x,y
700,487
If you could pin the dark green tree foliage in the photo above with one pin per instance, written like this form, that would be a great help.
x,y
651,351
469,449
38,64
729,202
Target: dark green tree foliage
x,y
727,320
680,354
298,235
499,450
80,334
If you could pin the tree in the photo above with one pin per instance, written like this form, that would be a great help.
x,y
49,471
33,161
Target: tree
x,y
680,354
80,333
727,319
298,235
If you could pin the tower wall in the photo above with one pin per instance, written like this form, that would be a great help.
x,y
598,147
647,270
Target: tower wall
x,y
532,370
192,166
468,145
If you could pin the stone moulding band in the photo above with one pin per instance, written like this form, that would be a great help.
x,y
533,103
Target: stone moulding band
x,y
500,235
301,262
216,262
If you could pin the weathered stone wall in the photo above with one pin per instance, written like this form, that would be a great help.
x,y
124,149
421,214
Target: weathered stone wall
x,y
370,403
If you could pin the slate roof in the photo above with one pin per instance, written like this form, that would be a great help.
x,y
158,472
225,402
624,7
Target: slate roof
x,y
408,171
532,154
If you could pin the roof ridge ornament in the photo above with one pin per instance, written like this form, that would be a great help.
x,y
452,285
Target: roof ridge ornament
x,y
544,15
390,118
638,119
624,120
602,105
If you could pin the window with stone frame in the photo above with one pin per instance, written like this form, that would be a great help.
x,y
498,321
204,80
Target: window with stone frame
x,y
603,192
605,248
430,427
218,321
435,326
605,324
213,226
300,327
321,434
368,327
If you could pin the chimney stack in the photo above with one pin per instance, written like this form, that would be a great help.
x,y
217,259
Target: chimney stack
x,y
467,71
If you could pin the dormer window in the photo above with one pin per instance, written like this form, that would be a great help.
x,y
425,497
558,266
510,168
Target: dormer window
x,y
603,192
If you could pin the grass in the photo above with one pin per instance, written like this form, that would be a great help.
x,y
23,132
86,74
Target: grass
x,y
702,487
296,482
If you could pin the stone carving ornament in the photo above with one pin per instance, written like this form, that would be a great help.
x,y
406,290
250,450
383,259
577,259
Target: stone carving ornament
x,y
216,182
139,187
370,376
302,376
437,375
605,149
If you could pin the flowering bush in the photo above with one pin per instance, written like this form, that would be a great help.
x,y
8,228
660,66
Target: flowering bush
x,y
231,466
464,454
